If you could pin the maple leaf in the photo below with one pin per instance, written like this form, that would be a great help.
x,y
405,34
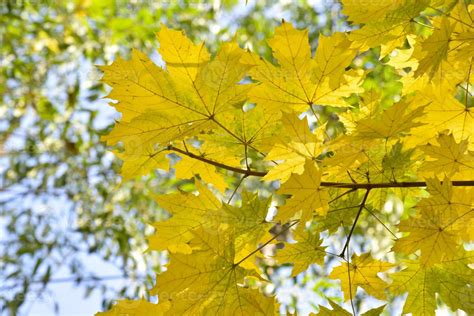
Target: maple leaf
x,y
341,214
297,145
301,81
443,110
306,194
434,50
247,223
397,119
189,212
362,272
306,251
204,211
390,26
441,223
366,14
447,47
338,310
188,167
184,60
136,308
245,129
451,279
349,152
449,158
206,282
175,104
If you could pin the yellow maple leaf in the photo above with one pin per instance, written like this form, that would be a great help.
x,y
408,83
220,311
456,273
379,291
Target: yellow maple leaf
x,y
443,220
449,158
434,50
165,107
450,279
294,147
397,119
247,224
449,47
377,10
189,212
306,251
306,194
207,282
362,271
301,81
389,28
136,308
184,60
188,167
443,110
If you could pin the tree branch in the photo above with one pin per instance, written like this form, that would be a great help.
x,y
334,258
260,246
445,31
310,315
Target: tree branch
x,y
218,164
354,186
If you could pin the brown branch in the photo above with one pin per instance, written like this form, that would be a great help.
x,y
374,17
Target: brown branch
x,y
413,184
218,164
354,186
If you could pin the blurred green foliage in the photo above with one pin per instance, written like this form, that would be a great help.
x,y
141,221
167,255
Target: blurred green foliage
x,y
61,200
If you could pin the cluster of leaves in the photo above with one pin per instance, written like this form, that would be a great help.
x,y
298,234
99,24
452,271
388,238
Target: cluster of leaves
x,y
336,146
60,199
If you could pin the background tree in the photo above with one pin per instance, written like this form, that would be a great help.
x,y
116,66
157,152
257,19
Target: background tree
x,y
61,200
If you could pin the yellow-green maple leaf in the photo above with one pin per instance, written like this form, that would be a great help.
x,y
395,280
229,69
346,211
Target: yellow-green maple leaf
x,y
165,107
451,279
207,282
294,147
306,251
189,212
450,44
306,192
397,119
339,311
390,27
434,50
300,81
247,223
443,220
136,308
362,271
341,214
450,158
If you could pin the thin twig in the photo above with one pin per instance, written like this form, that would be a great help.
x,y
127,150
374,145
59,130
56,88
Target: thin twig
x,y
236,188
341,195
362,204
267,242
380,221
350,285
